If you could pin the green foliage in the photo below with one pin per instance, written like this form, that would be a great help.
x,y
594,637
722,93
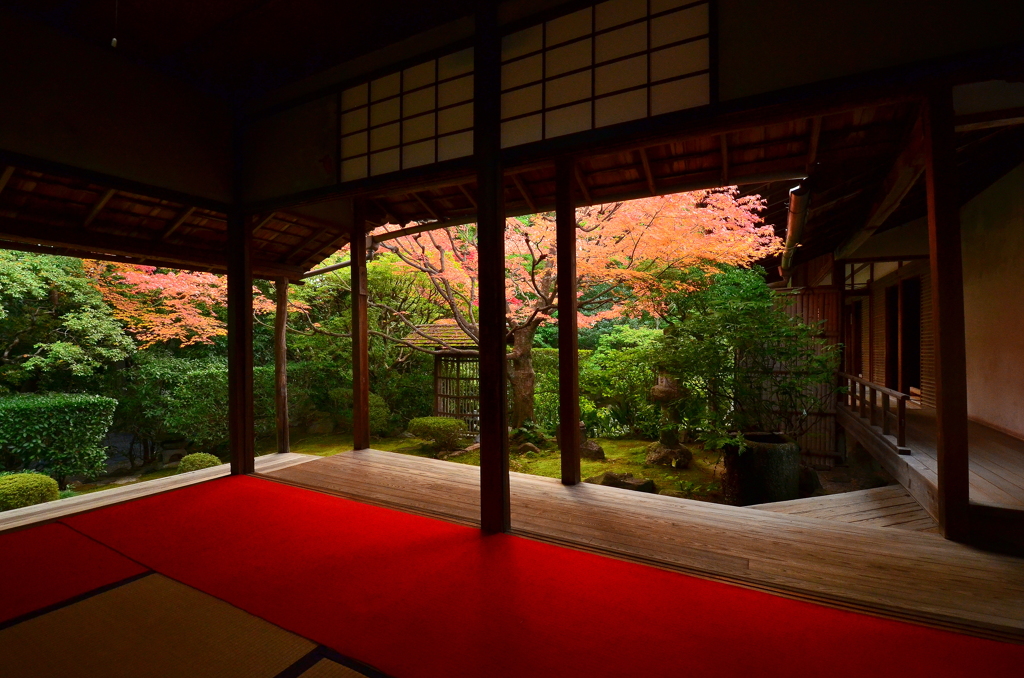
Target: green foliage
x,y
545,399
61,434
742,364
529,432
26,489
197,407
54,325
444,432
197,461
618,377
380,416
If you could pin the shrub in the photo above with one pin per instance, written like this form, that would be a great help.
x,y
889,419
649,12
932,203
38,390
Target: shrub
x,y
60,434
444,432
380,415
199,460
26,489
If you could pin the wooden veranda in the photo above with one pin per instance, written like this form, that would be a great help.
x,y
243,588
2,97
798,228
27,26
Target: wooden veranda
x,y
898,573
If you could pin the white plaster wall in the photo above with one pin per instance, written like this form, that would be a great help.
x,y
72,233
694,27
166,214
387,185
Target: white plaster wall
x,y
993,255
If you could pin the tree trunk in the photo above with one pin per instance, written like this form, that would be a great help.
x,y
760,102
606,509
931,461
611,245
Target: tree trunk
x,y
521,376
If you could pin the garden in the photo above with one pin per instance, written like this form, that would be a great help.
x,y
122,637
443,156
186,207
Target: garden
x,y
689,369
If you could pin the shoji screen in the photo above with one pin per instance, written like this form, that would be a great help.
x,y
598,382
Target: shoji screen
x,y
418,116
617,61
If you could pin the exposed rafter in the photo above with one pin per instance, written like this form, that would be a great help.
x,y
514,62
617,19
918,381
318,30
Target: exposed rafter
x,y
98,207
648,175
582,181
176,224
524,192
902,176
812,143
427,206
5,177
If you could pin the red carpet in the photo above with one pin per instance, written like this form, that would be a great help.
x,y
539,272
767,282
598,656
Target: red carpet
x,y
420,597
52,563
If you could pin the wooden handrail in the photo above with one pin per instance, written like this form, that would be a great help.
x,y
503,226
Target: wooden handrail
x,y
873,385
862,398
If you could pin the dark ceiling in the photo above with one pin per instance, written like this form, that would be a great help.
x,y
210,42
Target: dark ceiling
x,y
240,49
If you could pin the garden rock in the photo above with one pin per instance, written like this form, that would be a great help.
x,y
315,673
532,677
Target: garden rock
x,y
406,434
472,448
528,447
661,455
589,449
625,481
809,481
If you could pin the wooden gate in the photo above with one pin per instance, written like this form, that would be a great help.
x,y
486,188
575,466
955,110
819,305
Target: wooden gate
x,y
457,388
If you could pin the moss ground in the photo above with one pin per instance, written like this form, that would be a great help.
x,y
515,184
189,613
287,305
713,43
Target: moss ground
x,y
700,481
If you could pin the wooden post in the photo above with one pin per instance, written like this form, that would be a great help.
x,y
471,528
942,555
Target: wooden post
x,y
241,425
281,365
948,315
360,336
494,490
568,338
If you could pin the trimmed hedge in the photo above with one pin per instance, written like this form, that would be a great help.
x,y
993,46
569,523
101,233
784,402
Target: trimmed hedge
x,y
26,489
445,433
199,460
60,434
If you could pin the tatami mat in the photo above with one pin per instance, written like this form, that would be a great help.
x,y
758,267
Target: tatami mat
x,y
150,627
325,668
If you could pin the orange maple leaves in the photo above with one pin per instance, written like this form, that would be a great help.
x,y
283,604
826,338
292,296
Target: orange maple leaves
x,y
625,254
158,305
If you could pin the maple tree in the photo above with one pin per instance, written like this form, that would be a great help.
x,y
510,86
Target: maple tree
x,y
161,305
627,253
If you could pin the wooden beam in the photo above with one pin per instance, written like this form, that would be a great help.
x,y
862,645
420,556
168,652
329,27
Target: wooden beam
x,y
360,331
281,365
723,138
990,119
648,174
812,143
263,222
902,176
583,185
430,210
241,421
469,196
98,207
175,256
412,230
176,224
947,285
495,512
6,176
568,336
523,192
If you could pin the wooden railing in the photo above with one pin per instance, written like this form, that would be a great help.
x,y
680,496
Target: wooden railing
x,y
882,407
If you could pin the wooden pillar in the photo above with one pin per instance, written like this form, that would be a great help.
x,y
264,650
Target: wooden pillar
x,y
494,490
281,365
948,314
568,338
241,425
360,336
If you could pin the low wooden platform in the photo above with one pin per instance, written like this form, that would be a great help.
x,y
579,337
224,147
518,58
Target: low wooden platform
x,y
898,573
41,513
880,507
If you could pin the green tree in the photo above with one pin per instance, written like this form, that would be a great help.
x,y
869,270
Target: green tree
x,y
54,324
741,364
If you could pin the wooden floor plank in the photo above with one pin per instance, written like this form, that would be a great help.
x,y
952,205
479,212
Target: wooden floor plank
x,y
860,565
